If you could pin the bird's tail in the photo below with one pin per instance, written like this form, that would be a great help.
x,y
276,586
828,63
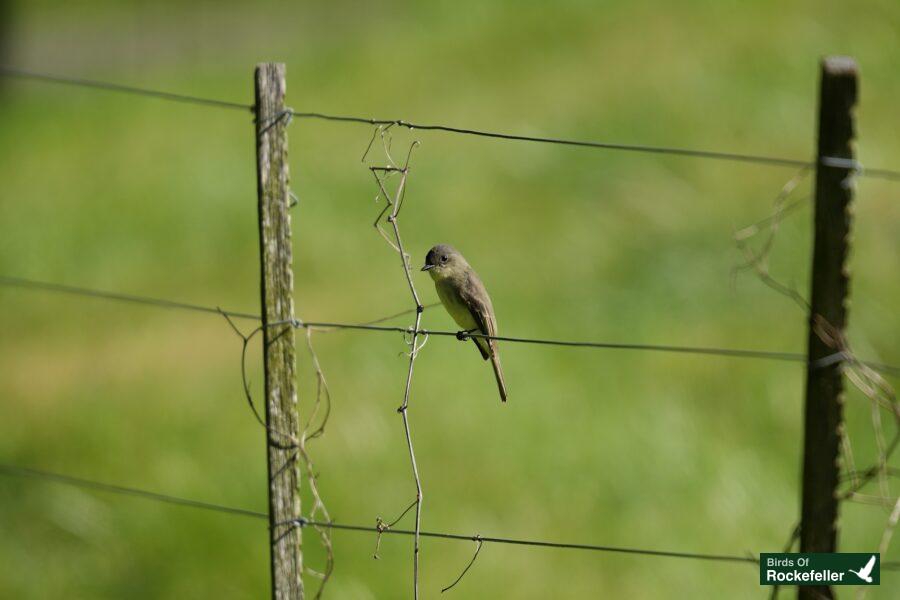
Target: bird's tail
x,y
498,372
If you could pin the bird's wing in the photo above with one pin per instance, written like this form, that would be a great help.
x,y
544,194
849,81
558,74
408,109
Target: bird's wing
x,y
869,565
475,297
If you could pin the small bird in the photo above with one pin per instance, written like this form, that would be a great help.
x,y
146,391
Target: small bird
x,y
465,298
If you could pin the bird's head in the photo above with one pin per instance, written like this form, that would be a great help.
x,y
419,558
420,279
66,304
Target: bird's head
x,y
444,261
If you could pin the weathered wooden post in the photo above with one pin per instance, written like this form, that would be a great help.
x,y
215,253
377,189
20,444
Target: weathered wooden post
x,y
823,418
282,411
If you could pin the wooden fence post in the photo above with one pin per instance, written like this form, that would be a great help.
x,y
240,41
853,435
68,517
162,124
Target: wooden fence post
x,y
282,411
823,418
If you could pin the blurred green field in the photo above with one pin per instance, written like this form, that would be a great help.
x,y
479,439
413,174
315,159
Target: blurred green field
x,y
671,452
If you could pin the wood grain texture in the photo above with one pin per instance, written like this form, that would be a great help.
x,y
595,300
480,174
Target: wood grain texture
x,y
823,417
282,411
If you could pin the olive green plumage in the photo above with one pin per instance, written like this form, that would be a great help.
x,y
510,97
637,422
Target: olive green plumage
x,y
464,296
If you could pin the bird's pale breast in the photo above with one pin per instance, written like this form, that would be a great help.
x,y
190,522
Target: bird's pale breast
x,y
454,305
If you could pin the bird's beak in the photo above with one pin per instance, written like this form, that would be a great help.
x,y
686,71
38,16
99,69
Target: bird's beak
x,y
427,268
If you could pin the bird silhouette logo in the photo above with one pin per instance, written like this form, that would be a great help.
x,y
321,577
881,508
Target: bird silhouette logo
x,y
866,572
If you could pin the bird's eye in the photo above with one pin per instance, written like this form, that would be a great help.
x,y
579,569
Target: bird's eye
x,y
444,258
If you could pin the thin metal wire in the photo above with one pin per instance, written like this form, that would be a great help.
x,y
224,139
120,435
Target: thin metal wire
x,y
19,282
729,156
828,161
543,544
115,87
735,353
39,474
727,352
9,281
25,472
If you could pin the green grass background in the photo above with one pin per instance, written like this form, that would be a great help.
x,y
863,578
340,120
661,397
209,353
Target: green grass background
x,y
620,448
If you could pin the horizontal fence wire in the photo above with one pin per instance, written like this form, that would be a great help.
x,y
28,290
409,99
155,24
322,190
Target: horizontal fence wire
x,y
30,473
26,472
710,154
31,284
774,161
727,352
735,353
9,281
39,474
115,87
